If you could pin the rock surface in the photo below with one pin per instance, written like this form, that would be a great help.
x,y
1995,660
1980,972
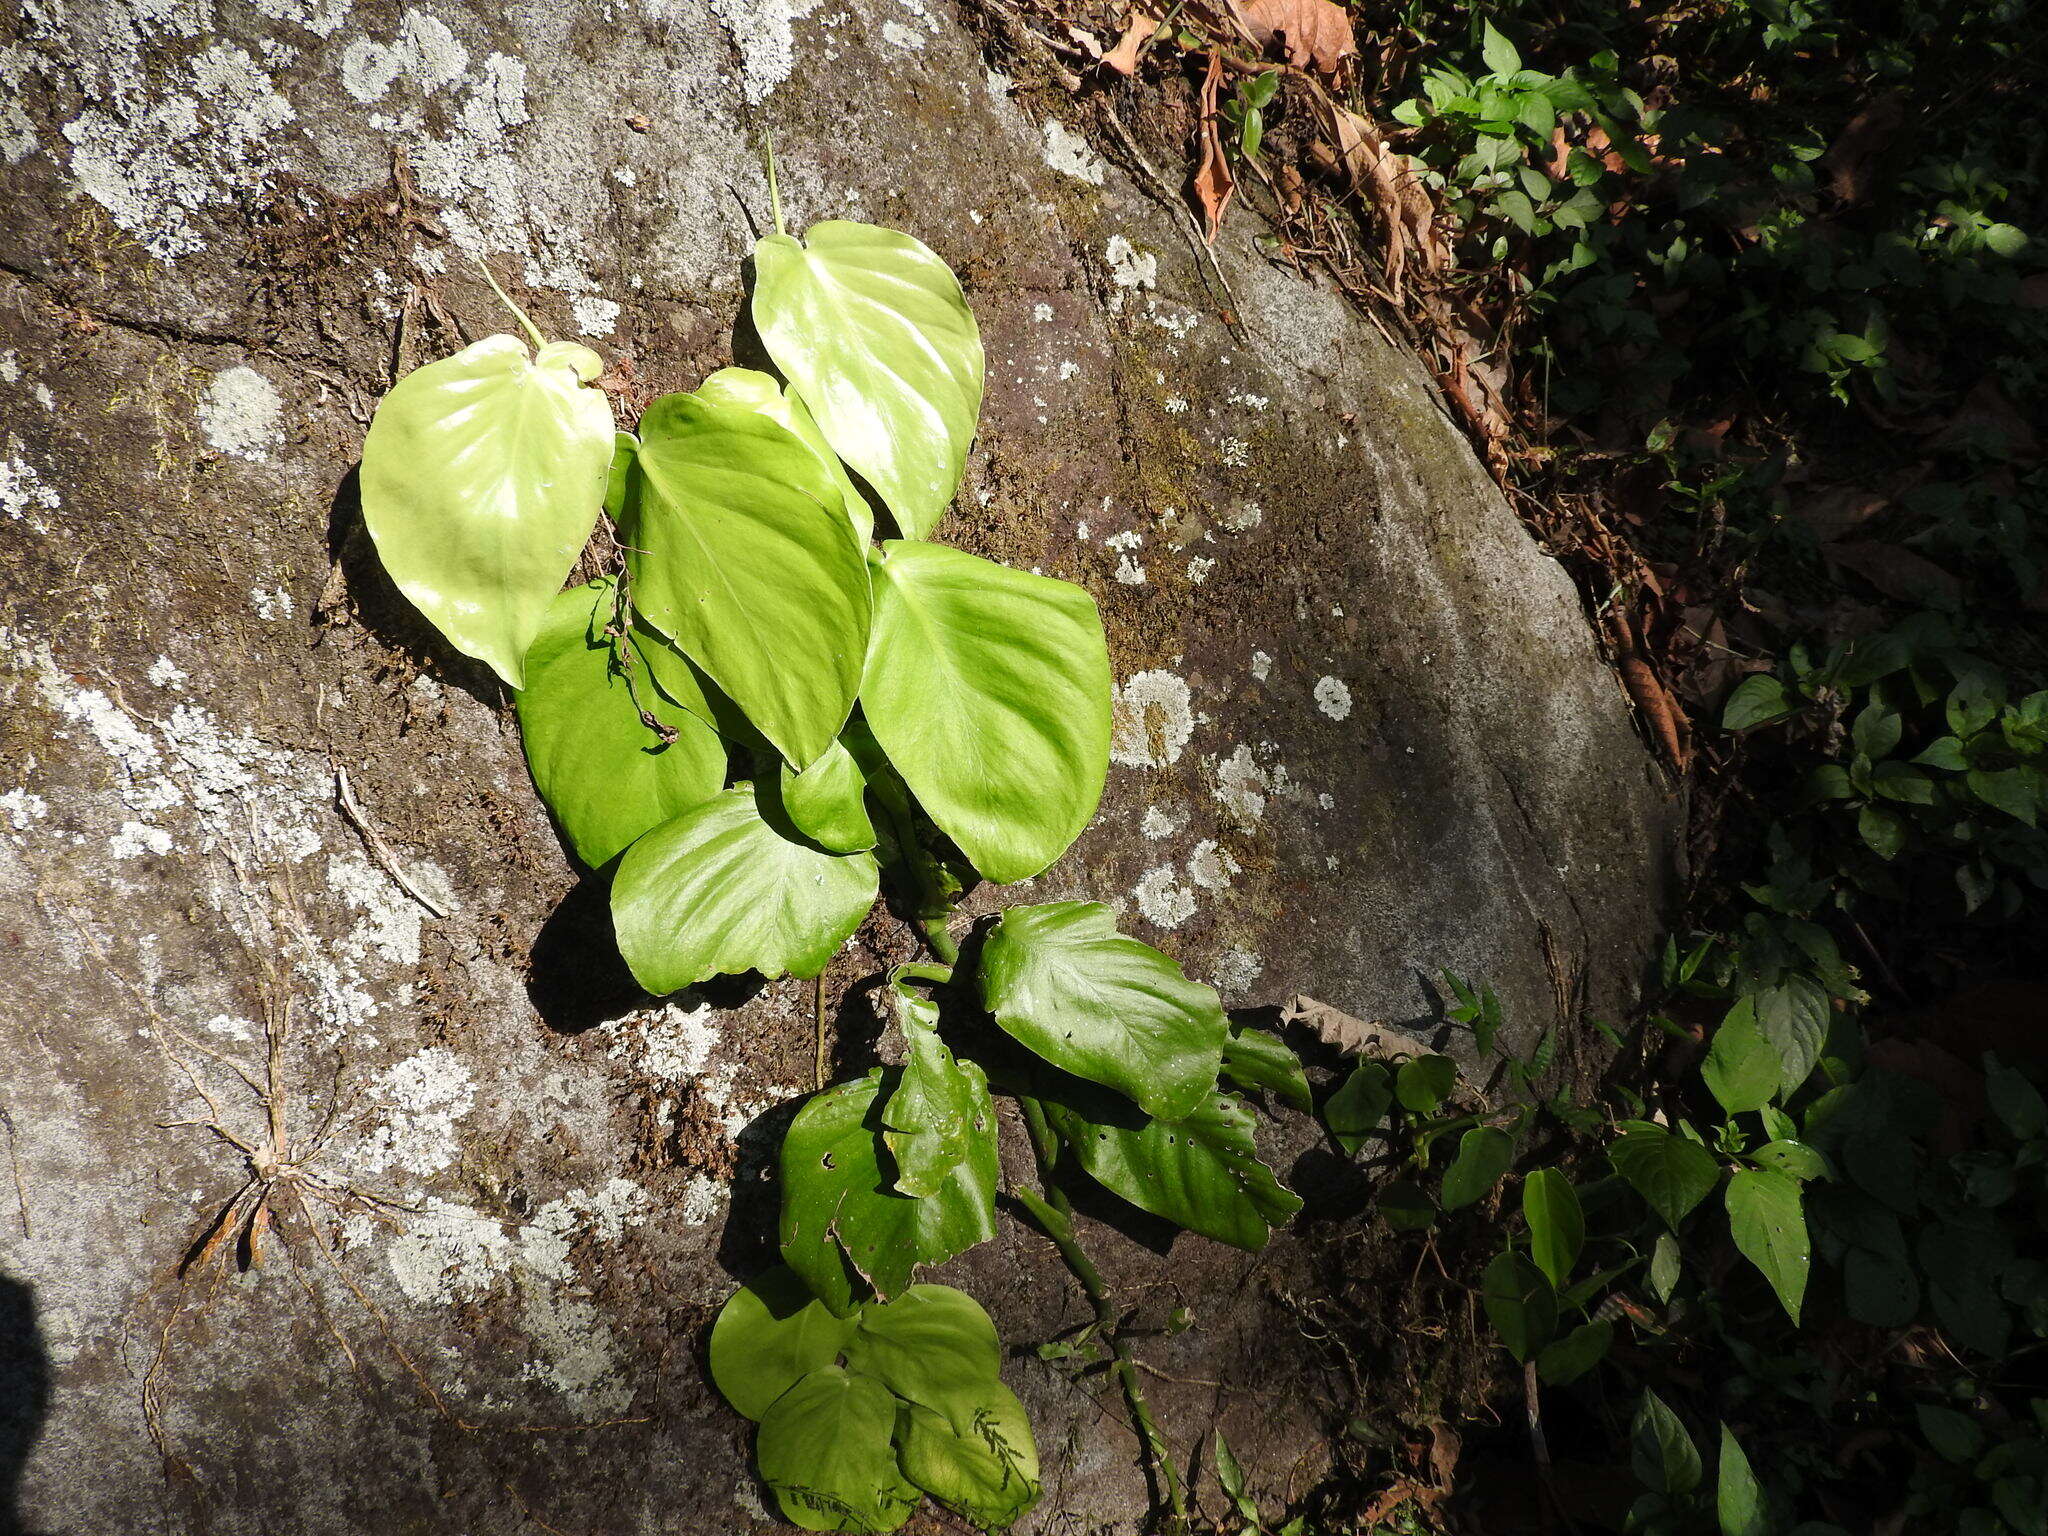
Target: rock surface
x,y
1362,735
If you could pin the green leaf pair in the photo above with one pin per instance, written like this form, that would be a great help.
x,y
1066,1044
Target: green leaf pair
x,y
862,1415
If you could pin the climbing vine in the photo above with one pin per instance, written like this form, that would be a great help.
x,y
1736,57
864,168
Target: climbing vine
x,y
759,719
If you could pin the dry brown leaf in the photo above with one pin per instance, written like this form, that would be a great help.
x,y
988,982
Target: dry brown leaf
x,y
1352,1036
1849,160
1986,412
1406,213
1667,721
1138,34
1313,34
1897,573
1838,511
1214,185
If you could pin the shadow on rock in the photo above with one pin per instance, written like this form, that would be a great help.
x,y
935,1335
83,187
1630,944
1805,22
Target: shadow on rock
x,y
24,1395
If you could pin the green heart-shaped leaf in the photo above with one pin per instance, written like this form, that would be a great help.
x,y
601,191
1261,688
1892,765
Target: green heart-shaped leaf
x,y
1065,983
741,552
751,390
1557,1227
1670,1172
482,477
989,690
842,1216
827,802
931,1345
1485,1153
1521,1304
940,1107
872,330
986,1469
769,1335
719,890
603,773
826,1448
1201,1172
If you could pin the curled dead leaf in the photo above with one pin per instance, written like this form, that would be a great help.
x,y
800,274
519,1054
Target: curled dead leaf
x,y
1313,34
1139,31
1352,1036
1214,185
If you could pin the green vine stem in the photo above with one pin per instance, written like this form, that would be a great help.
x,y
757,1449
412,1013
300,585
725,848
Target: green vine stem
x,y
1055,1217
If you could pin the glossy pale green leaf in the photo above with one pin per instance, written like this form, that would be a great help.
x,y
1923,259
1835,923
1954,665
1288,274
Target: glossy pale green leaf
x,y
1793,1158
1670,1172
606,777
1201,1172
1742,1068
940,1108
1769,1226
683,683
989,690
719,890
987,1470
1557,1228
769,1336
1484,1155
618,482
827,802
751,390
826,1448
1662,1452
1254,1059
931,1345
1065,983
482,477
741,552
842,1216
1358,1109
1520,1303
872,331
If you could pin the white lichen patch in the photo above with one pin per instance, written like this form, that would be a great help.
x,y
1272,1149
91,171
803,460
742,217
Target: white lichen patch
x,y
764,31
1333,697
1262,666
1162,900
1128,266
1199,568
416,1107
20,809
270,603
1242,786
25,496
1153,717
137,838
1129,572
1241,519
1068,153
242,413
1157,825
1235,970
165,673
1211,867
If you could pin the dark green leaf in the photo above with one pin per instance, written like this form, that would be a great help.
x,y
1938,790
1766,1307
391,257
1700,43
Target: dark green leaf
x,y
1879,1289
719,890
826,1448
940,1109
930,1345
1794,1017
1662,1453
1954,1436
2015,1101
1520,1303
841,1214
1358,1109
1425,1082
1067,985
1557,1228
1758,701
1254,1059
1567,1359
1484,1155
1670,1172
2016,791
770,1334
1201,1172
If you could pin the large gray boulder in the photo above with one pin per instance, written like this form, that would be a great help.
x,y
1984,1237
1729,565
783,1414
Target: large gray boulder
x,y
1363,734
